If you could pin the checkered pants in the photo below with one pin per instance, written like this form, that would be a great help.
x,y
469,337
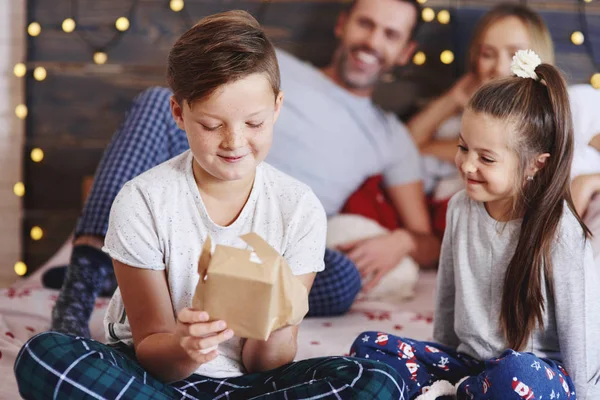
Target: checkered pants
x,y
512,375
149,136
59,366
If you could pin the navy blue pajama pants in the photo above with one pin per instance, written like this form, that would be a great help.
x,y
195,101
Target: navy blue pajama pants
x,y
512,375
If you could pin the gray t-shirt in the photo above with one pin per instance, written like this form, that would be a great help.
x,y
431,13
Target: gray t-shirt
x,y
475,254
333,141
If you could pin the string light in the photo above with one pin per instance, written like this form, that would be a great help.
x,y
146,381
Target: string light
x,y
588,1
37,155
40,73
20,70
34,29
20,268
447,57
100,57
443,17
19,189
176,5
421,1
577,38
595,80
419,58
36,233
428,14
69,25
122,24
21,111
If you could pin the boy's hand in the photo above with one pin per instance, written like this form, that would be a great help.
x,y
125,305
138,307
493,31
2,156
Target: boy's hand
x,y
198,337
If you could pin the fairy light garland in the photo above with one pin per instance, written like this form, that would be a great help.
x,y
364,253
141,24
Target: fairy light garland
x,y
122,25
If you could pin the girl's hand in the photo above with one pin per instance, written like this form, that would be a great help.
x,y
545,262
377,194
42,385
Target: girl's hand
x,y
463,89
198,337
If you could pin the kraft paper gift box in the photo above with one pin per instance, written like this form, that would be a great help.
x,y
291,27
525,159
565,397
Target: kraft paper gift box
x,y
254,298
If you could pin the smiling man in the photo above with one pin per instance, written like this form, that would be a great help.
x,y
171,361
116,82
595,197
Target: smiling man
x,y
330,135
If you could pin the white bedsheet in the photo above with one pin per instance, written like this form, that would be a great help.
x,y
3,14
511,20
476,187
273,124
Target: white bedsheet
x,y
25,310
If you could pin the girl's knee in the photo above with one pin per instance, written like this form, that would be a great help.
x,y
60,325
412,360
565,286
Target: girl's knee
x,y
511,361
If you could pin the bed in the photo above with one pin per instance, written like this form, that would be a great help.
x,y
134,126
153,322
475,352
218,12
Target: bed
x,y
25,310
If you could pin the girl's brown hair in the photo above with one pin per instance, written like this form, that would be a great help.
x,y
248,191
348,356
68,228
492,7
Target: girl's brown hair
x,y
541,41
540,117
220,49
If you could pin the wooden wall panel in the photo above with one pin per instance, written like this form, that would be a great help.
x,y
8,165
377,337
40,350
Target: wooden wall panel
x,y
73,113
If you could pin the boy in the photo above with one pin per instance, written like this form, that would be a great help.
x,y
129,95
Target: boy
x,y
225,81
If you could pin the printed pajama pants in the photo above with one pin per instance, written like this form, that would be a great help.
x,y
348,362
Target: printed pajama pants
x,y
512,375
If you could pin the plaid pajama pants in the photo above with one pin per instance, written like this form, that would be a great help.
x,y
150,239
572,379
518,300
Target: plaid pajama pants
x,y
513,375
59,366
149,136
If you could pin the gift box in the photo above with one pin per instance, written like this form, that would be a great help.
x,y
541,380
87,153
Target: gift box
x,y
255,292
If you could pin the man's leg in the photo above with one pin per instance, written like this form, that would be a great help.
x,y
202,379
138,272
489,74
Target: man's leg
x,y
335,288
147,137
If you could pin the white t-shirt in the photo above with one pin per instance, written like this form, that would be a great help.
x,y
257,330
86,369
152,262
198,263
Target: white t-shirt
x,y
158,221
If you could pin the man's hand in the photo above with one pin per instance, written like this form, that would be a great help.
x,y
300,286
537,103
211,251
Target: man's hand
x,y
375,257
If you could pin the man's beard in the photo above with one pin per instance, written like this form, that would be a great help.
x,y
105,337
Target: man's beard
x,y
344,73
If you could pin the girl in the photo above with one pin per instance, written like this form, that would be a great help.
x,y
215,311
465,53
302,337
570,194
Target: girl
x,y
225,79
517,300
498,35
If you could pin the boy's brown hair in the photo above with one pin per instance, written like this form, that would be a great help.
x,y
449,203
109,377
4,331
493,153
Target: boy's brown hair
x,y
220,49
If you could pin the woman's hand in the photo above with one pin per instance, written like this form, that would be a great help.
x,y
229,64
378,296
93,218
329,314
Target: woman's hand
x,y
198,337
583,188
463,89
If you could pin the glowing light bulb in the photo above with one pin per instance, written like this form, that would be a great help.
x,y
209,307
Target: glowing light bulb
x,y
37,154
20,268
443,17
176,5
40,73
419,58
122,24
19,189
34,29
20,70
421,1
595,80
577,38
100,57
21,111
428,14
69,25
36,233
447,57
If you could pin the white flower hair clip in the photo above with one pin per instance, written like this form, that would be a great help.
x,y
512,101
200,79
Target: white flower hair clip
x,y
524,63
